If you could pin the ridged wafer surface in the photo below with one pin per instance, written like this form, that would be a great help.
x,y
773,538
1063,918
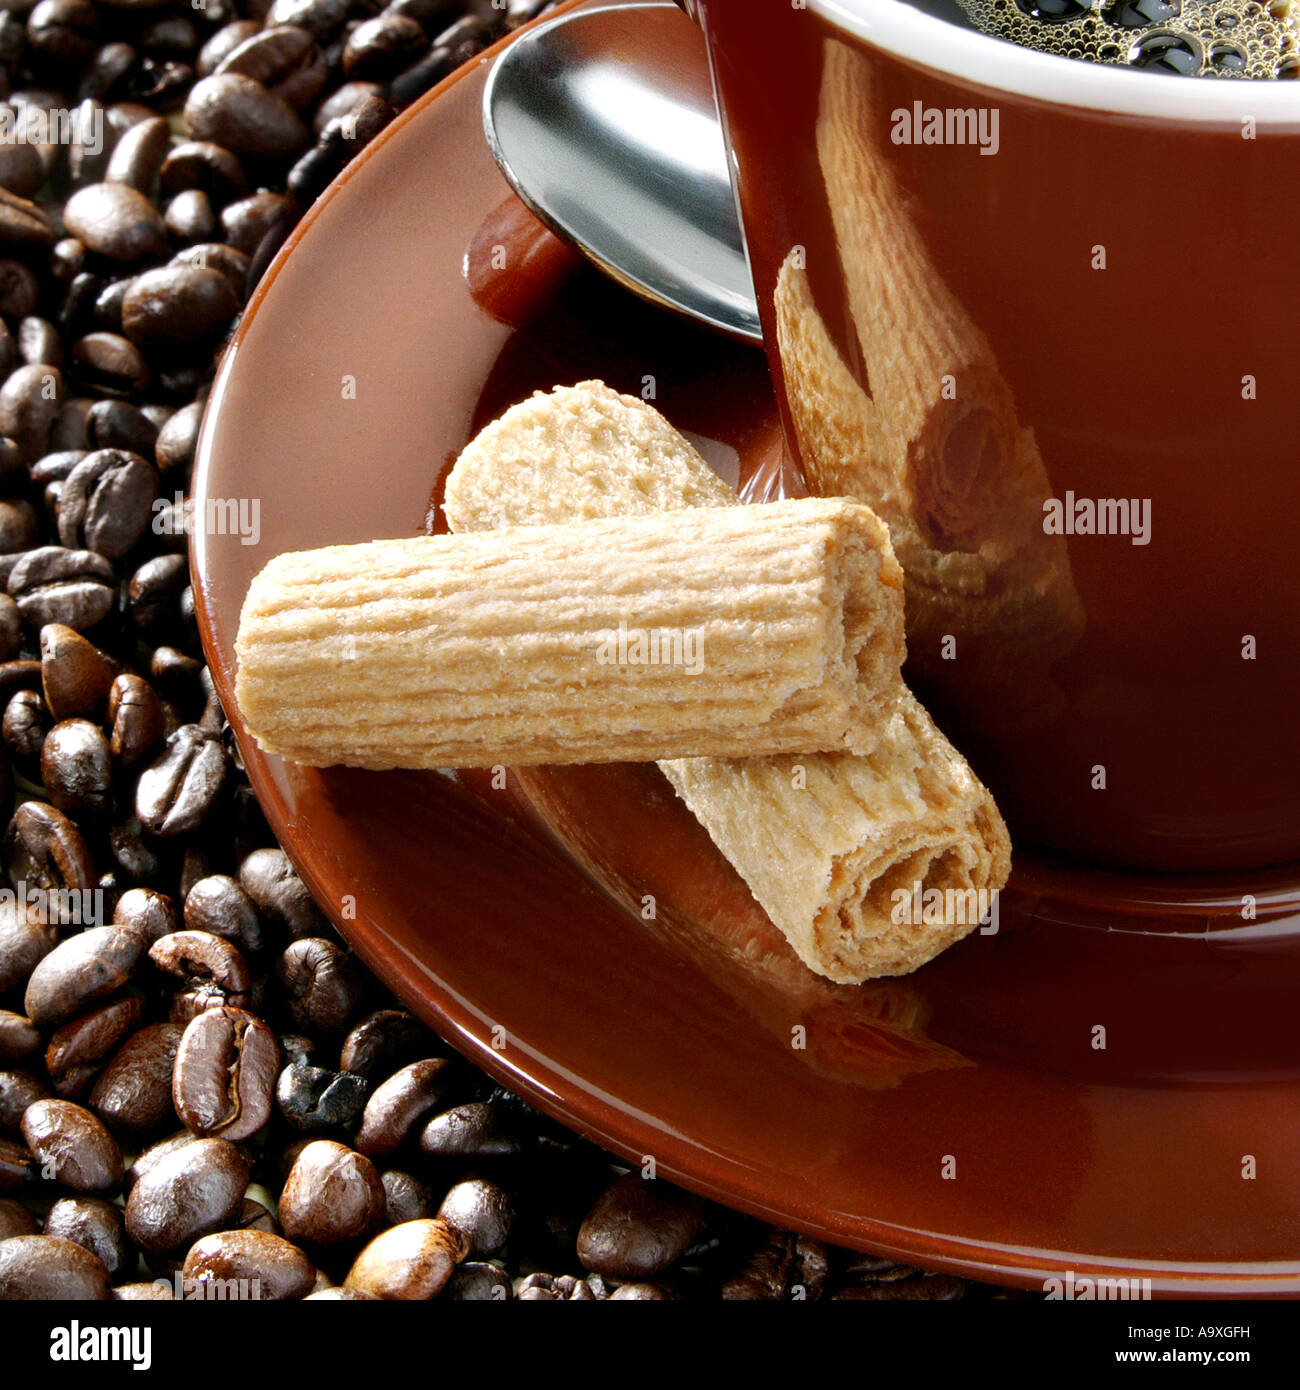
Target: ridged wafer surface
x,y
823,841
709,632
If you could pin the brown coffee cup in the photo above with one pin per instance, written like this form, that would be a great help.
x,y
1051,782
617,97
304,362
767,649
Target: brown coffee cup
x,y
1041,314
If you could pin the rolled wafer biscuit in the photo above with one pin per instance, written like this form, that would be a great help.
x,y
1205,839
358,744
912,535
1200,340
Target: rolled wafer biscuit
x,y
824,842
617,640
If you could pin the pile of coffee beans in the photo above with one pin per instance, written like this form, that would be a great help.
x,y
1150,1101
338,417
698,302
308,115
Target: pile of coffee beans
x,y
202,1093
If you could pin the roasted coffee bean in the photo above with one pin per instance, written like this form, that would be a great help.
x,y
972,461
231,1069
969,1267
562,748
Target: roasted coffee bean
x,y
54,585
433,15
187,1192
49,1267
225,1074
638,1228
106,502
115,221
399,1105
269,878
247,223
642,1293
267,1267
477,1130
322,983
157,1291
344,101
320,18
285,60
11,628
216,255
198,957
217,904
92,1035
337,1295
176,440
24,941
108,71
16,1220
19,525
135,719
424,74
147,910
339,141
563,1288
411,1261
203,165
331,1197
178,304
77,767
225,40
15,1166
19,292
13,465
71,1146
107,309
315,1100
44,849
94,1224
310,176
172,36
380,48
57,464
120,425
478,1283
39,342
384,1041
109,364
18,675
21,170
150,1157
84,968
19,1038
22,223
184,380
242,116
454,45
177,790
178,677
29,401
18,1090
190,217
79,311
134,1092
138,156
62,31
134,850
407,1198
153,596
482,1211
76,675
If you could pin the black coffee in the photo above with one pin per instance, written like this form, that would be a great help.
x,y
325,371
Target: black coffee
x,y
1207,38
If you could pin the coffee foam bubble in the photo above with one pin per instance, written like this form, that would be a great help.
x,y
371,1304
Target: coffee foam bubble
x,y
1211,38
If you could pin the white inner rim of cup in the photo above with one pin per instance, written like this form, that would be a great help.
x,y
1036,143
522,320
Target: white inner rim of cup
x,y
984,61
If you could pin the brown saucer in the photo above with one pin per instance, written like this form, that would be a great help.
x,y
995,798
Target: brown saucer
x,y
962,1118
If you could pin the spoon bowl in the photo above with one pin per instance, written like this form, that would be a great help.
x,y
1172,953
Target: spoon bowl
x,y
614,142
